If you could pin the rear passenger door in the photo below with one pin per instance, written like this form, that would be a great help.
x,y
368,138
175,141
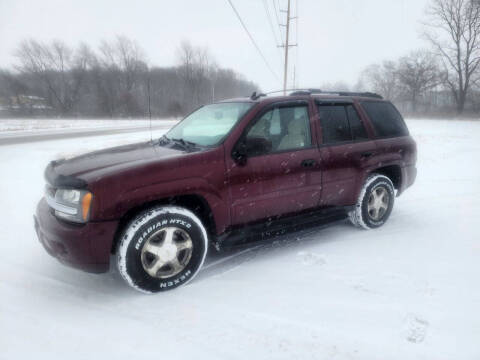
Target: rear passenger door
x,y
345,151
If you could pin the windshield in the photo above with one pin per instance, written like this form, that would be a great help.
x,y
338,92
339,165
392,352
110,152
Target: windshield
x,y
208,125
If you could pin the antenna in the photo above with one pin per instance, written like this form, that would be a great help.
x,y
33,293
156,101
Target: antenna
x,y
149,107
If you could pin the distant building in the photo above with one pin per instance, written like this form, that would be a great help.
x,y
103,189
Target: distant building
x,y
24,105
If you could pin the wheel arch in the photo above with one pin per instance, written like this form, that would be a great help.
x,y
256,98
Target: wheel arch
x,y
194,202
393,172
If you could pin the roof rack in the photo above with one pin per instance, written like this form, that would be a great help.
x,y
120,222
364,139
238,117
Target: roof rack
x,y
297,92
338,93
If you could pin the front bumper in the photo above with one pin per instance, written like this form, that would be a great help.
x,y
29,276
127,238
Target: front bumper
x,y
86,246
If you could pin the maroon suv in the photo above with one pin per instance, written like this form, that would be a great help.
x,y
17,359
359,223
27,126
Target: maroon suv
x,y
229,173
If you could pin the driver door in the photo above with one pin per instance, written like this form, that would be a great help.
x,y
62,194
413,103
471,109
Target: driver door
x,y
281,174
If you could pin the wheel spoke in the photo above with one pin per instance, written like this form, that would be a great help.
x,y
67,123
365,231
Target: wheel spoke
x,y
381,211
169,234
187,244
152,248
175,264
385,200
157,265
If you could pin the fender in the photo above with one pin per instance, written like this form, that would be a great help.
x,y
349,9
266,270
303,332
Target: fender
x,y
135,197
374,167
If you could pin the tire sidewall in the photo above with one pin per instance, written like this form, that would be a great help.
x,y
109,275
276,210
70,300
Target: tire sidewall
x,y
138,233
377,181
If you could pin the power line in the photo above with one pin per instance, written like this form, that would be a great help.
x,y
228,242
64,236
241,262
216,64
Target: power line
x,y
253,40
275,10
267,12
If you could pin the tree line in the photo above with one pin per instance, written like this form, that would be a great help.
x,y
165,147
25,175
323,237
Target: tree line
x,y
113,80
445,76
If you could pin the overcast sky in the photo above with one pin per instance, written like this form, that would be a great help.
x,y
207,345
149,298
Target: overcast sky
x,y
337,38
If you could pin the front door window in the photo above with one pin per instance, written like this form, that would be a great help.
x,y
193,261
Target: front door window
x,y
281,129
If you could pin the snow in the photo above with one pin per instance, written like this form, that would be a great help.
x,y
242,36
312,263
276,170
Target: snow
x,y
408,290
25,125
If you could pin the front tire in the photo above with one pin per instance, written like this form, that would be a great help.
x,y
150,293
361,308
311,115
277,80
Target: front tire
x,y
375,202
161,249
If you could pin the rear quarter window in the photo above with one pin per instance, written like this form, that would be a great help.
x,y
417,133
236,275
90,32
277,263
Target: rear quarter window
x,y
385,119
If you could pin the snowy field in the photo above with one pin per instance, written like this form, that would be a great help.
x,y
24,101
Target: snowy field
x,y
409,290
25,125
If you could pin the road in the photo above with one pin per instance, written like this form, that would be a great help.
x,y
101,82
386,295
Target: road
x,y
20,137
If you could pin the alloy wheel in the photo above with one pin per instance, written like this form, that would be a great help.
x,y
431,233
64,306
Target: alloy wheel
x,y
166,252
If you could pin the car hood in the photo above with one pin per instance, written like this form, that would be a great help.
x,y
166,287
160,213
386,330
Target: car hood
x,y
78,171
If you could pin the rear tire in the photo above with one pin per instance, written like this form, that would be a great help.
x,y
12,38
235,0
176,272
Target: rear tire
x,y
162,248
375,202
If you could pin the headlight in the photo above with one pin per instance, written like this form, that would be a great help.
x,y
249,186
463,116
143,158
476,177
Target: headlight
x,y
71,204
68,196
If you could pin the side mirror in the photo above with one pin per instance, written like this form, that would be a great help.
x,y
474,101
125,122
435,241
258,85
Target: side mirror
x,y
250,147
239,154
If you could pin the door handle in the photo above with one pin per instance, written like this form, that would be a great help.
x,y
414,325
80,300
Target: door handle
x,y
308,163
366,155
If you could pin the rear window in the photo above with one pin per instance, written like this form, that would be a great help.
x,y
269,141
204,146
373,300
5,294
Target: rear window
x,y
385,118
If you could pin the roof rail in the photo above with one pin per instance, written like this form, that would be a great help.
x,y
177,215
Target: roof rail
x,y
297,92
339,93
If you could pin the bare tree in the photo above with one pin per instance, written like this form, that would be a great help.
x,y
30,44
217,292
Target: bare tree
x,y
417,73
453,28
198,71
113,81
382,78
11,90
124,66
55,65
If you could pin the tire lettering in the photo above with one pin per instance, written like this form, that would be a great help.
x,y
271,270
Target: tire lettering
x,y
175,281
181,222
139,241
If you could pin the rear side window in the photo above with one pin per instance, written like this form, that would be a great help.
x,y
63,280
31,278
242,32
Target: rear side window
x,y
386,120
334,122
356,125
341,123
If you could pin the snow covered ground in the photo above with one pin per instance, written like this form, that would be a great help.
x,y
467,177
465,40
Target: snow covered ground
x,y
25,125
409,290
16,131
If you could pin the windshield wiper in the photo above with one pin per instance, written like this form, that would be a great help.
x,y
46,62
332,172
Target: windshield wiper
x,y
164,140
186,144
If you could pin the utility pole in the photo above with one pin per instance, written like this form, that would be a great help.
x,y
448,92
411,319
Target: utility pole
x,y
294,77
287,46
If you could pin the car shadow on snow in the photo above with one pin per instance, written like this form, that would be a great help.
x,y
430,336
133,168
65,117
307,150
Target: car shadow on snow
x,y
111,285
227,260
